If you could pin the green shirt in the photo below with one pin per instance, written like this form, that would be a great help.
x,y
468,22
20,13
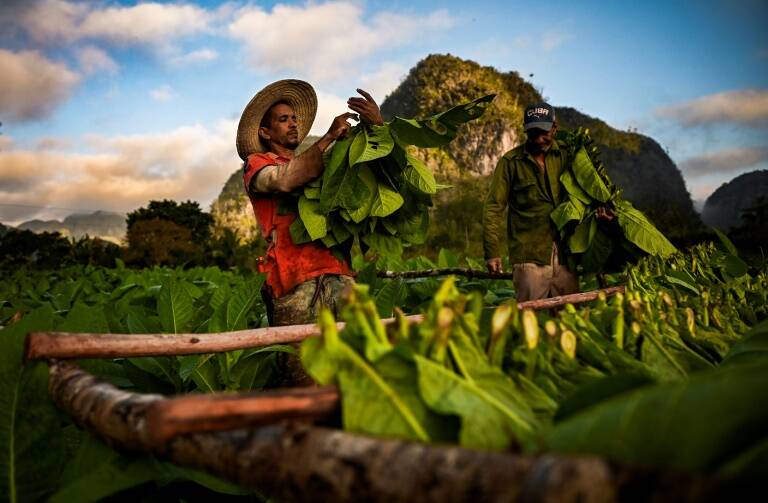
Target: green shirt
x,y
530,193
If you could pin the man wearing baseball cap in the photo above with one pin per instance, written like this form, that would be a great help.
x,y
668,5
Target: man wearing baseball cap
x,y
526,183
299,277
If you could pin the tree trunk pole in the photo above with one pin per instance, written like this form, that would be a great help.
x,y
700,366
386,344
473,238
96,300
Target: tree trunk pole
x,y
299,462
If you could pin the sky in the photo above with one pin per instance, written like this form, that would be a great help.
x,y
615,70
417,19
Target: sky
x,y
106,105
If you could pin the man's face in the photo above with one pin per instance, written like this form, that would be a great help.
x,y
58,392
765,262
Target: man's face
x,y
283,128
539,140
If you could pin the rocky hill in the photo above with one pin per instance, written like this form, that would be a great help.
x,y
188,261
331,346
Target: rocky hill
x,y
102,224
636,163
723,209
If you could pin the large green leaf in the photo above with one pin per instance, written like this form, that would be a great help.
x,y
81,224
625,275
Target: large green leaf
x,y
489,419
370,404
373,143
363,210
241,303
342,189
174,306
573,188
582,236
314,219
85,318
439,129
692,426
387,296
753,347
587,177
337,159
96,472
386,245
419,176
385,201
567,211
596,255
639,231
32,450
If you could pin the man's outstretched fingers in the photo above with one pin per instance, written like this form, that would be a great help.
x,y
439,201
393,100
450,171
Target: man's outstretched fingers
x,y
365,94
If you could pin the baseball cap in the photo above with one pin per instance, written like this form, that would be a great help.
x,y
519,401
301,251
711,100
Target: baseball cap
x,y
539,116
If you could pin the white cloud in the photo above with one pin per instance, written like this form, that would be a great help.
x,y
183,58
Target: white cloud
x,y
163,93
551,40
199,56
725,161
328,107
32,85
92,59
123,173
325,41
144,23
383,81
748,107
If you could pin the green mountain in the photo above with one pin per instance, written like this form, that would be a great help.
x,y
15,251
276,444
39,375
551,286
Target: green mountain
x,y
635,162
102,224
723,209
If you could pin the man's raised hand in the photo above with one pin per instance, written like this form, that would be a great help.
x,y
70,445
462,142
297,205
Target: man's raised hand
x,y
340,127
366,107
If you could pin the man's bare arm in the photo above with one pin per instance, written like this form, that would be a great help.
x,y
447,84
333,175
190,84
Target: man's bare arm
x,y
303,168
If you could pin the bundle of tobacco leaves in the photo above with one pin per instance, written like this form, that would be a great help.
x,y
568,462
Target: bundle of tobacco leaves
x,y
595,245
372,190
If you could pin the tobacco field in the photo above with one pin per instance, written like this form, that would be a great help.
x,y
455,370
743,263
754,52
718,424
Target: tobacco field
x,y
672,374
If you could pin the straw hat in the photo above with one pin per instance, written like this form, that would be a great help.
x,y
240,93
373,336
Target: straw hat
x,y
297,93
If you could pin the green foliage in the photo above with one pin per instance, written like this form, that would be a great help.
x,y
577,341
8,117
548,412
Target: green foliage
x,y
372,191
186,214
649,426
50,250
595,245
32,449
624,378
419,385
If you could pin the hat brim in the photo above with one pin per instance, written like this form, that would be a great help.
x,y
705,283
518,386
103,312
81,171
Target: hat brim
x,y
546,126
299,94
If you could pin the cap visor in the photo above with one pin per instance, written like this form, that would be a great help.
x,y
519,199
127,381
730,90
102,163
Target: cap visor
x,y
546,126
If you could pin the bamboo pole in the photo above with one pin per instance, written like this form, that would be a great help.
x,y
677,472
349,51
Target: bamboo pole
x,y
64,345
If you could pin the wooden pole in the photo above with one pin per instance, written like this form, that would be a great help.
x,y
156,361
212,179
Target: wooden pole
x,y
456,271
197,413
295,461
304,463
64,345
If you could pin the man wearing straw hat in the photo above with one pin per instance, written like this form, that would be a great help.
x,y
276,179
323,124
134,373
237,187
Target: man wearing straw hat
x,y
300,278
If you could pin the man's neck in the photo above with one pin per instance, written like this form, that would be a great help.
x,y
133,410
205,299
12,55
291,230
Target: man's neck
x,y
537,155
281,151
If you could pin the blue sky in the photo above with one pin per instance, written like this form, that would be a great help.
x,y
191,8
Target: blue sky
x,y
106,105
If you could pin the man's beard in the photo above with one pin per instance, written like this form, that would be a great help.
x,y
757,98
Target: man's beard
x,y
536,148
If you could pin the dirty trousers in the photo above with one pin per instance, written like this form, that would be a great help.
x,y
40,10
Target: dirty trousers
x,y
301,306
534,281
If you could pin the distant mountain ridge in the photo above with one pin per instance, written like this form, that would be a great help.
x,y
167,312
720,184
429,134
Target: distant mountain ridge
x,y
724,207
103,224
